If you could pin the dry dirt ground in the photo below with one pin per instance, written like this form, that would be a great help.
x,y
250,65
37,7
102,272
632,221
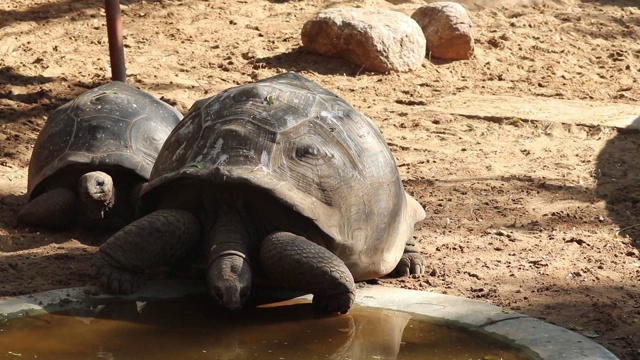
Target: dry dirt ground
x,y
540,218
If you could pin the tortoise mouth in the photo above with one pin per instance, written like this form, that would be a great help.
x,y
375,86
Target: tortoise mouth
x,y
98,195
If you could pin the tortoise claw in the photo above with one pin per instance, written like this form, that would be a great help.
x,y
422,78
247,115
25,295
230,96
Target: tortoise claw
x,y
411,263
115,280
331,304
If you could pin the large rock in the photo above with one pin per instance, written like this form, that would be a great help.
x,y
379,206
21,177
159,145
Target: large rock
x,y
448,30
483,4
376,39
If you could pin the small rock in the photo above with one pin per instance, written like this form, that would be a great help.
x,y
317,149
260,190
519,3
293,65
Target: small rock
x,y
501,232
448,30
376,39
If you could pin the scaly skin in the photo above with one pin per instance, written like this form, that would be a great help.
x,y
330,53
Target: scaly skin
x,y
294,261
53,209
161,238
285,258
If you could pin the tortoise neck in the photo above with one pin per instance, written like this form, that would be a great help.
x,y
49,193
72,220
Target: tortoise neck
x,y
228,236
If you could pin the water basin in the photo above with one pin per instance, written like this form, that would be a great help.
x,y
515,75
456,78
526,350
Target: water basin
x,y
385,323
191,328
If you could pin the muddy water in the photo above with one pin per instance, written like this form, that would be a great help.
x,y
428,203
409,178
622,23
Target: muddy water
x,y
193,329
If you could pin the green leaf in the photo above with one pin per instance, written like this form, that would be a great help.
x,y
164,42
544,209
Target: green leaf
x,y
270,100
12,177
197,165
491,357
591,334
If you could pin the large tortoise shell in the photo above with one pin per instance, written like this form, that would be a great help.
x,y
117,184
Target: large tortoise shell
x,y
311,150
113,126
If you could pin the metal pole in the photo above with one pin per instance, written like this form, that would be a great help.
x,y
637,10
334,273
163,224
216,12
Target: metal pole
x,y
116,46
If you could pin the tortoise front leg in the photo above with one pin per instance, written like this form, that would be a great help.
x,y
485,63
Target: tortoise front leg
x,y
294,261
161,238
55,208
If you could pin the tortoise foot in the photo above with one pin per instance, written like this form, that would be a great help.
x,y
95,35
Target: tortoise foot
x,y
331,304
294,261
411,263
113,279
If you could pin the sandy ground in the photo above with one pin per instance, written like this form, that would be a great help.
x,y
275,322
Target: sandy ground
x,y
540,218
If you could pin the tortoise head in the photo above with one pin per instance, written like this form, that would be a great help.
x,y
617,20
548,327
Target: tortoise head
x,y
97,193
229,279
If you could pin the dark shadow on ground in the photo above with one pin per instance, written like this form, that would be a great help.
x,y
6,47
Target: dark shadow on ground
x,y
609,316
300,60
16,106
9,75
618,169
504,203
621,3
20,237
54,10
47,11
55,267
625,22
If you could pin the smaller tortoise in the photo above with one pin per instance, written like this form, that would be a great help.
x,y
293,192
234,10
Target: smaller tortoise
x,y
93,155
281,179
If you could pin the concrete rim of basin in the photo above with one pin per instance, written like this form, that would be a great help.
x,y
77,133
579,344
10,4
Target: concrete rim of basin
x,y
538,338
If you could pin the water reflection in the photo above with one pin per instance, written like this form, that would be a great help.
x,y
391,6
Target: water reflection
x,y
280,331
196,330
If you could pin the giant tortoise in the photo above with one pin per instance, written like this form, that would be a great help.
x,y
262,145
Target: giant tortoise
x,y
279,179
93,155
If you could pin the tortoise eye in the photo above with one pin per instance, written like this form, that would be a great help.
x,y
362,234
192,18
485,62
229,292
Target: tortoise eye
x,y
100,182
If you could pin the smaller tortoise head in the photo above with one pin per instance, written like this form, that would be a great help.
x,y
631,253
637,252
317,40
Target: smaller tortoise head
x,y
97,193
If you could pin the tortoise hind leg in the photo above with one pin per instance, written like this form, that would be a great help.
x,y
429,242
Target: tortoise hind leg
x,y
294,261
162,238
53,209
411,261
